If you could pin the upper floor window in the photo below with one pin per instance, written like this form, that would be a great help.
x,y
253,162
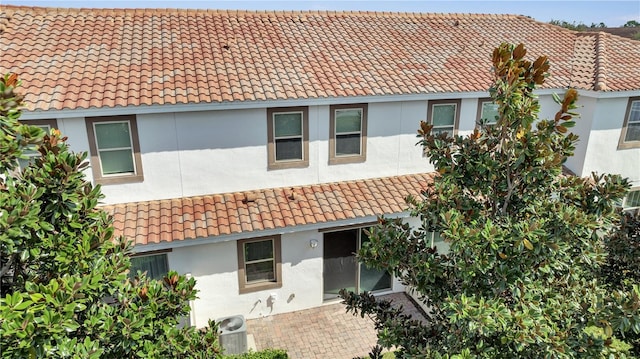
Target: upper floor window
x,y
29,154
487,112
435,240
288,137
155,265
115,150
444,115
348,133
259,264
630,136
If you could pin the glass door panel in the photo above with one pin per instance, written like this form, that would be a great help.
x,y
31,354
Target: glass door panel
x,y
341,268
372,279
340,263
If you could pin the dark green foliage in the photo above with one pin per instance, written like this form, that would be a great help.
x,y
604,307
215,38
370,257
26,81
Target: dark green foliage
x,y
631,23
623,262
577,27
65,286
410,332
622,268
263,354
522,275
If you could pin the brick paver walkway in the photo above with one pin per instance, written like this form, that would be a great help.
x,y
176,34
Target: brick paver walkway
x,y
324,332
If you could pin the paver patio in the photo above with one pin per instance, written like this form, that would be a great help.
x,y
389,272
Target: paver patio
x,y
324,332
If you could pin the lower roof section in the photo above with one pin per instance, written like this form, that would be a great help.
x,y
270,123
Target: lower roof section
x,y
173,221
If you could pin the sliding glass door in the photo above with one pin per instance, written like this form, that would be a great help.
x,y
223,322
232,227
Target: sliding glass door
x,y
341,268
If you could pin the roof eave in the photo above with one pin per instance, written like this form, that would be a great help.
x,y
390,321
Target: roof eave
x,y
142,248
243,105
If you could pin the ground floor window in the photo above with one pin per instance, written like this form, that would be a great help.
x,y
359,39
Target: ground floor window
x,y
342,269
632,199
259,264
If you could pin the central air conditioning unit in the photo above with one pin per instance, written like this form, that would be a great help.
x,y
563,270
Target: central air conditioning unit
x,y
233,334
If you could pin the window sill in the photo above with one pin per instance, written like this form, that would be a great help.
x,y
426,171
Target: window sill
x,y
249,288
286,165
628,145
346,160
119,180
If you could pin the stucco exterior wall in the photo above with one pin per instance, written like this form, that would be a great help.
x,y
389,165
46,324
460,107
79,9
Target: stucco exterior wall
x,y
194,153
197,153
602,153
586,108
214,266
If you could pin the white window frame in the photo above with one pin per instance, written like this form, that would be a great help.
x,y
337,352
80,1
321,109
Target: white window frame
x,y
481,103
130,147
29,154
456,117
632,192
300,136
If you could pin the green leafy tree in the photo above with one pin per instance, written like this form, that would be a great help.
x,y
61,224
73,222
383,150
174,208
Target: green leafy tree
x,y
631,23
66,292
521,277
577,27
622,268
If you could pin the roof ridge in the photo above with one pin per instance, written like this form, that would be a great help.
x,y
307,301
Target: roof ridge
x,y
606,33
601,63
67,10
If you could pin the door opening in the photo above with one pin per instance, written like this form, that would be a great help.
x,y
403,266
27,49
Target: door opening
x,y
342,269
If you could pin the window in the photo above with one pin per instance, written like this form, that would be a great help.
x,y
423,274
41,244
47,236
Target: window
x,y
288,137
155,265
115,151
436,240
630,136
348,134
259,264
632,199
487,112
46,126
444,116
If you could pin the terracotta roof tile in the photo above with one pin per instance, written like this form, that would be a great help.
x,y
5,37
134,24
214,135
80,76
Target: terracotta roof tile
x,y
84,58
223,214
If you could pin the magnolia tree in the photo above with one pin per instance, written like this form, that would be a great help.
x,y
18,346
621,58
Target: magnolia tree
x,y
65,286
622,269
521,278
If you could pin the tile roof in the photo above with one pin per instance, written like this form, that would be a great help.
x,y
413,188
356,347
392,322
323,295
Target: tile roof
x,y
104,58
214,215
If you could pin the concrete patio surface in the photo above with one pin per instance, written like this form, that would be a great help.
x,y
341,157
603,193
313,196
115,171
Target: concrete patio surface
x,y
323,332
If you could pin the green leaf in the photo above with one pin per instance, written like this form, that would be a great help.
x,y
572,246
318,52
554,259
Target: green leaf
x,y
527,244
22,305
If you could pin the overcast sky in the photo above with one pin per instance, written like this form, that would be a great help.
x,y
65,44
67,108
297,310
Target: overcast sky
x,y
612,13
